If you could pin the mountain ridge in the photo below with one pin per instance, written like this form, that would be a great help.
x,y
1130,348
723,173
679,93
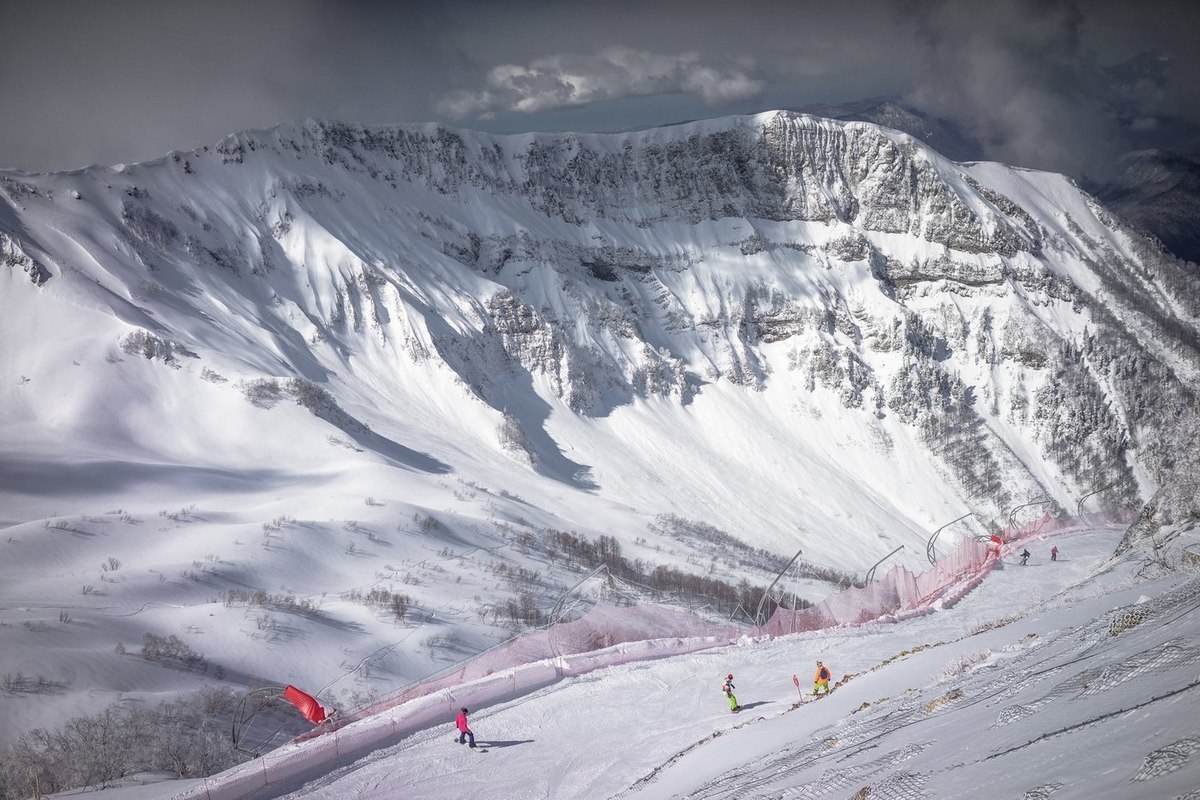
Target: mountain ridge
x,y
614,231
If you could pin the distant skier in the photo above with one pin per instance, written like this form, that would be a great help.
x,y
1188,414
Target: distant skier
x,y
1024,557
1054,553
821,679
727,688
464,728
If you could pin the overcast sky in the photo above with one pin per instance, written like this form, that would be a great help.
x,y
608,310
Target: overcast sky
x,y
111,82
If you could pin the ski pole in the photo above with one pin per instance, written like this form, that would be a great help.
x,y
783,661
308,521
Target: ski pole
x,y
799,691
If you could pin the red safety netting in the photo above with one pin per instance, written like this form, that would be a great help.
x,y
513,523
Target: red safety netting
x,y
901,593
602,626
607,635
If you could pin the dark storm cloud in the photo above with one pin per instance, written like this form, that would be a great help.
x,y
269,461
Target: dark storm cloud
x,y
92,81
88,82
1025,78
102,82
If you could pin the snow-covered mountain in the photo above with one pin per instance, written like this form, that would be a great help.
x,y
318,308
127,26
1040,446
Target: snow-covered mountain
x,y
1000,314
315,362
942,135
1153,185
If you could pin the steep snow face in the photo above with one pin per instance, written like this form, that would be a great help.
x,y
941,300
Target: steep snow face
x,y
718,343
998,316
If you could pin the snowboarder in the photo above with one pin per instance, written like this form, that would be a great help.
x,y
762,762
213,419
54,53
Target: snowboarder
x,y
1054,553
821,679
464,728
1024,557
727,688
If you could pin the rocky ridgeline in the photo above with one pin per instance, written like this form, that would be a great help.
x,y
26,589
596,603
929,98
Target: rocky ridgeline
x,y
652,263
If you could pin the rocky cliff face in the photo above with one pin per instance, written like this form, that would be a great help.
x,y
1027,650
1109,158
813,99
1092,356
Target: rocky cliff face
x,y
1002,316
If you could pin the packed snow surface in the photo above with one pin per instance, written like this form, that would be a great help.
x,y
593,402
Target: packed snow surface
x,y
1068,678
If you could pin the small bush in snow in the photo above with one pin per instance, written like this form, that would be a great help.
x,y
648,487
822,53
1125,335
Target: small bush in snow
x,y
963,664
426,524
513,439
148,226
149,346
382,599
661,581
523,610
170,649
322,405
261,392
20,684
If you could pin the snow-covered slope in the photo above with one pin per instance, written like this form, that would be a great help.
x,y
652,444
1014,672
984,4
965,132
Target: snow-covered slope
x,y
1066,679
1072,678
242,387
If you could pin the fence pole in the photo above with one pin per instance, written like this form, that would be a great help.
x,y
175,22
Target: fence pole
x,y
767,593
1079,508
1012,514
870,576
929,547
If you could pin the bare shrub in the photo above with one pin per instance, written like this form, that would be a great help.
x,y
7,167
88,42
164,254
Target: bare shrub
x,y
513,438
287,603
181,515
322,405
965,663
188,738
661,581
150,347
383,600
261,392
170,649
523,610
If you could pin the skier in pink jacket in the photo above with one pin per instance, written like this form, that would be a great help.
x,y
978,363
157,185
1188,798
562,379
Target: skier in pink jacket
x,y
727,688
464,728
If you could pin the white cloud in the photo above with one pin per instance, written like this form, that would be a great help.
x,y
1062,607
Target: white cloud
x,y
717,87
565,80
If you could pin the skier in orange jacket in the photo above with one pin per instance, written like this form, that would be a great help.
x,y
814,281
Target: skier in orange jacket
x,y
821,679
